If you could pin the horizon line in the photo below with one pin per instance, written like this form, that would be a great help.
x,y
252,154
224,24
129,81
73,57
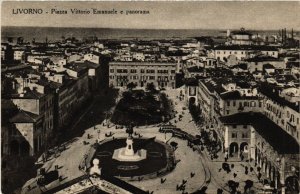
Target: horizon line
x,y
150,28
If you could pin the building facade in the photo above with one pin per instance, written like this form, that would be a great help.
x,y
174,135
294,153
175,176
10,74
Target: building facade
x,y
142,73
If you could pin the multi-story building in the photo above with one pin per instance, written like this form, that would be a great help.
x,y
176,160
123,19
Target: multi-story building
x,y
7,53
281,111
92,57
19,54
257,138
241,52
241,37
142,73
257,64
35,120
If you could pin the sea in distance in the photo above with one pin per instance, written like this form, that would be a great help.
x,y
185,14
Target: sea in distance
x,y
56,33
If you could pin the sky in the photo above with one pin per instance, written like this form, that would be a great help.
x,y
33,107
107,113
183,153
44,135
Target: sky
x,y
262,15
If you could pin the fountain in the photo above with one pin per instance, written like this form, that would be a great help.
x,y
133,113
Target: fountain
x,y
127,153
132,158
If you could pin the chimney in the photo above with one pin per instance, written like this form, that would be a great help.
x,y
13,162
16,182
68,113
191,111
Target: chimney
x,y
282,38
284,35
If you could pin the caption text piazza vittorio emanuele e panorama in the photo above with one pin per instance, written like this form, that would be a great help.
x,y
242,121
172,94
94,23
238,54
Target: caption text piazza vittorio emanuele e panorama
x,y
77,11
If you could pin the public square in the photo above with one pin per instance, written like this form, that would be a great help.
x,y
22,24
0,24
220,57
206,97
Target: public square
x,y
194,171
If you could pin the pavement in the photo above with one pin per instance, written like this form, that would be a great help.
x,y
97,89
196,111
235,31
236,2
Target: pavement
x,y
206,171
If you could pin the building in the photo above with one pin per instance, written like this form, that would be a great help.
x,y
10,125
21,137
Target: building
x,y
241,52
281,111
35,118
254,136
191,91
241,37
92,57
258,63
19,54
142,73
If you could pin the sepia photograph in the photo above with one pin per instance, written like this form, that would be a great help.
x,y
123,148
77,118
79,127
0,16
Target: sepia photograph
x,y
150,97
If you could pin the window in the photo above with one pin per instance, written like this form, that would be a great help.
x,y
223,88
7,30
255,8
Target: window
x,y
292,118
244,135
133,71
150,71
111,71
142,70
227,112
172,71
233,103
245,126
228,103
234,135
242,52
260,104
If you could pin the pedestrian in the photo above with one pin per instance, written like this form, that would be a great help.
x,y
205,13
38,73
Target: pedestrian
x,y
242,157
259,176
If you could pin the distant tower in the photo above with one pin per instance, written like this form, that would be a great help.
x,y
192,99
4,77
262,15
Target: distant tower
x,y
228,33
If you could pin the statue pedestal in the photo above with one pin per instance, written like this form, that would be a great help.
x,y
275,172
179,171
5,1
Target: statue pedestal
x,y
127,153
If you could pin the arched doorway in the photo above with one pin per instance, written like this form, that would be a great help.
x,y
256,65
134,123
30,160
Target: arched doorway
x,y
292,185
244,147
244,150
192,101
14,147
233,148
24,148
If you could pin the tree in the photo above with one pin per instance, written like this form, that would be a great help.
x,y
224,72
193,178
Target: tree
x,y
131,85
150,87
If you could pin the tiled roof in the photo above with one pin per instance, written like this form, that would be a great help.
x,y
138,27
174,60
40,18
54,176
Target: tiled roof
x,y
195,69
278,138
262,58
272,92
24,117
88,64
235,95
191,82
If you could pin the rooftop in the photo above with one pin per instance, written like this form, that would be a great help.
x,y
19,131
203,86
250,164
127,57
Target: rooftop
x,y
141,63
195,69
246,47
262,58
24,117
235,95
278,138
272,92
87,64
